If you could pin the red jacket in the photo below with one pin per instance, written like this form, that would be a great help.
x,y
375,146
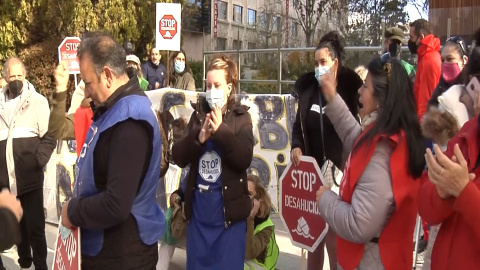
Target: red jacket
x,y
82,122
395,241
428,72
457,245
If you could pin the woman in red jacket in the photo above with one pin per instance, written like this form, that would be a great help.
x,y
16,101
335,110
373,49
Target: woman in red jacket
x,y
451,198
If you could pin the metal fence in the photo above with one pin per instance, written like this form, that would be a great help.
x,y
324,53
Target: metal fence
x,y
279,81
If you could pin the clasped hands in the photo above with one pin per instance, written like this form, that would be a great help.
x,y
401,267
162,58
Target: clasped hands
x,y
212,122
449,175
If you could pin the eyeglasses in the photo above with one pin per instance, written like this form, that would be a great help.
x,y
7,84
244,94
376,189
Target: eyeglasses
x,y
459,41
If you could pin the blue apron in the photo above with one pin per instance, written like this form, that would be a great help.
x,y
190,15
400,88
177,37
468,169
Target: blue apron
x,y
211,246
149,217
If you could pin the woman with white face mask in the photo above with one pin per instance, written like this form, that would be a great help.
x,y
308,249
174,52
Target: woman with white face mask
x,y
179,75
306,138
219,149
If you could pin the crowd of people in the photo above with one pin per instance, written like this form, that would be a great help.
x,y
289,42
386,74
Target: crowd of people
x,y
404,138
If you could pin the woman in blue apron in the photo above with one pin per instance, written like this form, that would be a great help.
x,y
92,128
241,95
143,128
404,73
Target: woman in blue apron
x,y
219,147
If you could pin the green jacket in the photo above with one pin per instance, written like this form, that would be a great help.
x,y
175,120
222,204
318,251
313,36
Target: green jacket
x,y
143,83
410,69
261,249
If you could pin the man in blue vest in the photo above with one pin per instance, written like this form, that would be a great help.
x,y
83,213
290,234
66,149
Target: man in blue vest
x,y
119,165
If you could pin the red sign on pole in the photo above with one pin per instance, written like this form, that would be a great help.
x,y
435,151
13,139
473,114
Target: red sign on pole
x,y
67,251
298,206
68,51
167,27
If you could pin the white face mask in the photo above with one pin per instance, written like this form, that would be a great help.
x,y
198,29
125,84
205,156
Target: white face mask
x,y
215,97
320,71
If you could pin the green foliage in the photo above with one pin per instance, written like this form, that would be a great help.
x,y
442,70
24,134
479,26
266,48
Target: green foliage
x,y
197,72
365,27
33,29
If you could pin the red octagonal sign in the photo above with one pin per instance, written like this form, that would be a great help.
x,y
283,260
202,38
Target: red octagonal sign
x,y
68,51
298,206
167,26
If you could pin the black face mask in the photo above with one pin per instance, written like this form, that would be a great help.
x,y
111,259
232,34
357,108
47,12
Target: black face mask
x,y
412,46
15,88
131,72
394,49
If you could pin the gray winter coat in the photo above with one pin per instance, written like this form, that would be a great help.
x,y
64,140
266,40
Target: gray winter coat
x,y
372,201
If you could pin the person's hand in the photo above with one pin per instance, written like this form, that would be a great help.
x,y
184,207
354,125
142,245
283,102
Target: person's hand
x,y
476,103
328,87
255,207
173,198
10,201
295,155
206,130
157,85
65,221
215,118
320,192
61,77
450,176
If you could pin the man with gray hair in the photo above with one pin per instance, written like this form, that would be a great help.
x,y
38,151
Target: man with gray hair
x,y
25,148
119,165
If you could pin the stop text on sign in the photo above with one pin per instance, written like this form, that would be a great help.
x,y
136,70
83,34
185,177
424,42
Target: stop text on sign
x,y
303,180
72,46
167,24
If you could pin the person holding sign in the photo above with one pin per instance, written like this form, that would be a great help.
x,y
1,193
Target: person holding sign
x,y
219,149
307,127
118,168
374,215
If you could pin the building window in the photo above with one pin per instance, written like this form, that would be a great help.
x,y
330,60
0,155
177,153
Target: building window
x,y
222,10
263,20
237,13
237,45
294,29
252,17
221,44
275,23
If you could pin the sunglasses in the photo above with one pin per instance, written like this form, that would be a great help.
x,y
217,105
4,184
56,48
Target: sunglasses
x,y
459,41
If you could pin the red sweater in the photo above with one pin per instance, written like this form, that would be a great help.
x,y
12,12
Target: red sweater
x,y
82,122
458,242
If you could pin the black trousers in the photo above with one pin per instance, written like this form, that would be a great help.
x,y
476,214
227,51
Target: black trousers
x,y
32,229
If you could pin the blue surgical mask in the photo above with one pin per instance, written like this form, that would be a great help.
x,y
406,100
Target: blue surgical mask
x,y
215,97
179,66
320,71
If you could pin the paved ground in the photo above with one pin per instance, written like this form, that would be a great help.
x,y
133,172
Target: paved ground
x,y
290,256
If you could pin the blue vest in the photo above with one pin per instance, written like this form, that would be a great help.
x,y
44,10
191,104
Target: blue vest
x,y
149,217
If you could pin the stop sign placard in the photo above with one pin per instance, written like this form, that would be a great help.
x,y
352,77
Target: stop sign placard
x,y
167,27
298,206
68,51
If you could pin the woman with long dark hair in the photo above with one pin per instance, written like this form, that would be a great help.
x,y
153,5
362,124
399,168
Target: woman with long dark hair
x,y
306,140
374,216
179,74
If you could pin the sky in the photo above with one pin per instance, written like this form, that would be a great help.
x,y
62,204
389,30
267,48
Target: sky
x,y
413,13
